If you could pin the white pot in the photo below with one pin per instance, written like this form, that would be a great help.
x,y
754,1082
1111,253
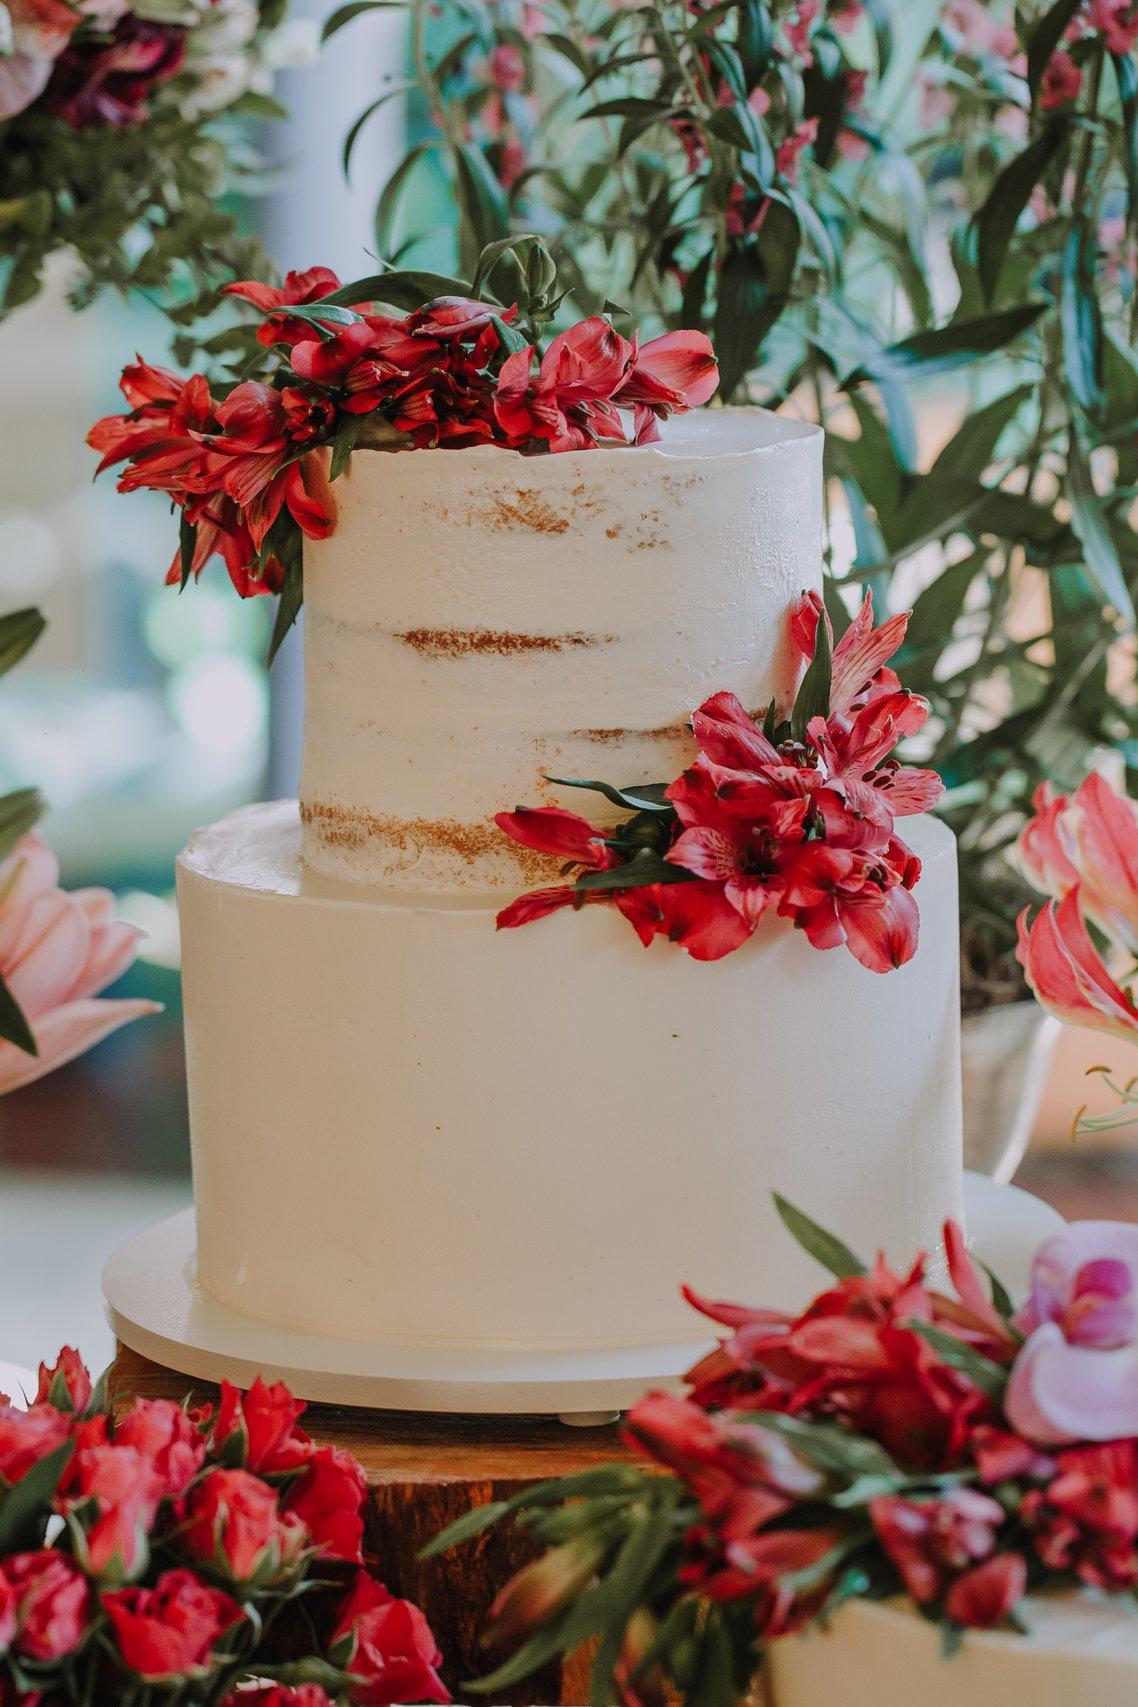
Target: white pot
x,y
1082,1652
1006,1055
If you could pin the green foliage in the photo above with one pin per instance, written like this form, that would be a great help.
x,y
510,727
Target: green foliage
x,y
659,152
140,209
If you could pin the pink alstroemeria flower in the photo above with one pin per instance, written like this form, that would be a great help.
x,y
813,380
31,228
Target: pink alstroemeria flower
x,y
1066,971
1089,838
1076,1377
57,951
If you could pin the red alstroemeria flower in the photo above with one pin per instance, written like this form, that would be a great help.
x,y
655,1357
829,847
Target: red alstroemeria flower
x,y
552,830
675,372
1067,973
254,462
161,435
568,404
301,288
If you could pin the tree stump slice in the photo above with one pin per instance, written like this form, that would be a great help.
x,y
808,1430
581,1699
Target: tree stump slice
x,y
422,1473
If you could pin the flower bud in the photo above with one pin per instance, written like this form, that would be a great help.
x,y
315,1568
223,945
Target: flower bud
x,y
541,1590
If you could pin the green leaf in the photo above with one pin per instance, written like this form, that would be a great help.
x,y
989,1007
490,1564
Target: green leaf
x,y
290,600
482,203
830,1447
20,811
19,631
644,867
813,697
26,1507
1081,318
1126,73
345,14
1045,38
1002,1300
990,1377
626,1582
946,348
187,543
649,797
406,289
465,1528
14,1027
972,449
400,88
391,194
311,1670
347,435
997,220
1094,534
824,1247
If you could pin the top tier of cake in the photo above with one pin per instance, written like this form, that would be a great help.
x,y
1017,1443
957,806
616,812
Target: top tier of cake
x,y
480,620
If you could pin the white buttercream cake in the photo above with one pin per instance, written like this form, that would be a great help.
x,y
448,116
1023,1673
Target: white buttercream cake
x,y
409,1127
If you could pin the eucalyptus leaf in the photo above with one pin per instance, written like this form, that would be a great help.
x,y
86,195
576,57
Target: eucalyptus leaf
x,y
829,1447
647,797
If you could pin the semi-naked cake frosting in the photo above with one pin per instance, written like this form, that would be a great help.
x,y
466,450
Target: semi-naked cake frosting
x,y
409,1127
1082,1651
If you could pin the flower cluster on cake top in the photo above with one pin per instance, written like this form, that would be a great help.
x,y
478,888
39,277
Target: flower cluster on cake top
x,y
789,813
161,1553
892,1438
248,464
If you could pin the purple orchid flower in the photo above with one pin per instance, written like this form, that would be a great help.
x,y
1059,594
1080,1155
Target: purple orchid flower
x,y
1076,1377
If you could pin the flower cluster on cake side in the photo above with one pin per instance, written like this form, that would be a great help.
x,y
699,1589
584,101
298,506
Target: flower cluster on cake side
x,y
150,1556
892,1439
243,461
792,812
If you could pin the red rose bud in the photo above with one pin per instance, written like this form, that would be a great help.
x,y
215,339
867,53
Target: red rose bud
x,y
234,1523
167,1438
260,1426
112,1495
67,1385
28,1436
540,1591
328,1499
170,1630
53,1601
388,1646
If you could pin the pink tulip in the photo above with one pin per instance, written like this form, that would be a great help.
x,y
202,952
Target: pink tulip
x,y
1076,1377
57,951
1067,973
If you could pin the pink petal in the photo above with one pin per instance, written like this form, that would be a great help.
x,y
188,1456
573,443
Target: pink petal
x,y
856,664
1041,851
49,953
552,830
1104,826
1060,1393
727,736
907,790
706,852
1064,970
65,1033
536,905
883,937
114,946
702,920
965,1276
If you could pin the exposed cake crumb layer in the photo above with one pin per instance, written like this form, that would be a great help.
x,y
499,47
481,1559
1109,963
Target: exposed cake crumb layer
x,y
482,620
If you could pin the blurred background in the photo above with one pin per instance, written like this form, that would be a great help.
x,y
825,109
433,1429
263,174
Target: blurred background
x,y
143,714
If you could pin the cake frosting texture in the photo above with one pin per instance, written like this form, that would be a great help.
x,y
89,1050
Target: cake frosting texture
x,y
1082,1651
407,1126
480,620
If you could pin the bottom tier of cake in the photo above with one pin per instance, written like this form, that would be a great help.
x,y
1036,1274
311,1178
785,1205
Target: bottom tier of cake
x,y
409,1127
1082,1651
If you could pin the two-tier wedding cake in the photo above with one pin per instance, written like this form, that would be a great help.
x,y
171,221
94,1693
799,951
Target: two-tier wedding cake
x,y
412,1129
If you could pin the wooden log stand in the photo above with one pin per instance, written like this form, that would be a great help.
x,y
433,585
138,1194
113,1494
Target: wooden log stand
x,y
422,1473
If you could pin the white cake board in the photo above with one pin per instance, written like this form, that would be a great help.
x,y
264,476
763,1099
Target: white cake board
x,y
156,1307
